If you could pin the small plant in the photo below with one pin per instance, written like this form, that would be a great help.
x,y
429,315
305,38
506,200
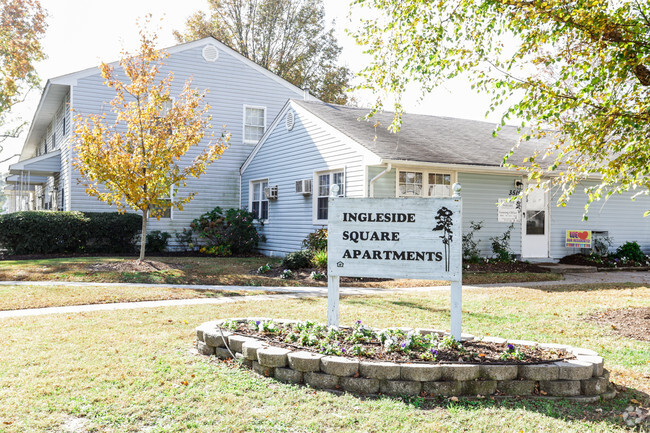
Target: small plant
x,y
230,324
185,239
265,326
512,353
263,269
318,276
359,350
471,252
286,274
361,333
501,246
319,259
316,241
157,241
450,343
631,251
331,348
216,250
429,355
297,260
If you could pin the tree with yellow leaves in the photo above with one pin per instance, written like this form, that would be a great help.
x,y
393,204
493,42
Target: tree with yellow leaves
x,y
136,161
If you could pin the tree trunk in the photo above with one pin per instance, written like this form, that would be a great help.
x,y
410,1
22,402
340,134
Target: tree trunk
x,y
143,238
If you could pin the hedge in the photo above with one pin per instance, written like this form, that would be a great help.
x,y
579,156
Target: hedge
x,y
46,232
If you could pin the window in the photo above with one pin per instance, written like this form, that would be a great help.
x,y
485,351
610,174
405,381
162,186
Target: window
x,y
439,185
254,124
324,181
424,184
163,211
259,202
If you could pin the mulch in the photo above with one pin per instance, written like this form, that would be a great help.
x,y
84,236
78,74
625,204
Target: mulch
x,y
476,352
630,322
130,266
503,267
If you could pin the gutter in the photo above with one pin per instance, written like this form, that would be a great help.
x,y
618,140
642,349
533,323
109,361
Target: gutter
x,y
389,167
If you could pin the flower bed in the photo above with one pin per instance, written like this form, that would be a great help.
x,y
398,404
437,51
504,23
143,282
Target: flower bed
x,y
398,361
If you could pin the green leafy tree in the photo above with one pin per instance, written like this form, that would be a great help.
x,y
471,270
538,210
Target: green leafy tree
x,y
22,26
576,71
287,37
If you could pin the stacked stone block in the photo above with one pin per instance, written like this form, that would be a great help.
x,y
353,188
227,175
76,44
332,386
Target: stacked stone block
x,y
583,378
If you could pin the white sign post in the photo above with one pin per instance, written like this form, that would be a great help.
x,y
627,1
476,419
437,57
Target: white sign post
x,y
395,238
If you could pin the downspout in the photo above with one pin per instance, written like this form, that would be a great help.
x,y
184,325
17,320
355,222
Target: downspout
x,y
389,167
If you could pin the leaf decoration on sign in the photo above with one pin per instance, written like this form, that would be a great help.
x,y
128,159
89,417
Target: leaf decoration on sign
x,y
444,223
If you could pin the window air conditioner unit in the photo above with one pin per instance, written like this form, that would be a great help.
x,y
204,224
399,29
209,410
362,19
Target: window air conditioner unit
x,y
303,186
271,192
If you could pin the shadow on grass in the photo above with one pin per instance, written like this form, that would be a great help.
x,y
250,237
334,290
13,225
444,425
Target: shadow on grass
x,y
588,287
606,412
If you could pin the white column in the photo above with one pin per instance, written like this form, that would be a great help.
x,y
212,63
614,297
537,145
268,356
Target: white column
x,y
333,281
457,286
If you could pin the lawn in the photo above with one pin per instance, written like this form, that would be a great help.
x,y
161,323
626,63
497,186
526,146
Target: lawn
x,y
21,297
204,270
136,371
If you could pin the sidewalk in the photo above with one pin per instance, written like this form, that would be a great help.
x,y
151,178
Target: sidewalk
x,y
288,292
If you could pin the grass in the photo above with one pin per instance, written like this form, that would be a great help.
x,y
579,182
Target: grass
x,y
21,297
204,270
135,371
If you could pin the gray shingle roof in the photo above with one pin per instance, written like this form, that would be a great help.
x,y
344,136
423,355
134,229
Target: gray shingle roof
x,y
423,138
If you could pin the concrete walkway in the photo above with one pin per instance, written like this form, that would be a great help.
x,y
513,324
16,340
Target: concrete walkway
x,y
287,292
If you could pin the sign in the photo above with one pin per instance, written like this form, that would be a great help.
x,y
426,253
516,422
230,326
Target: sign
x,y
395,238
509,211
578,239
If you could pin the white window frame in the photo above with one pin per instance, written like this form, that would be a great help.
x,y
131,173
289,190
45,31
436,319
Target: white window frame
x,y
251,190
316,190
425,180
243,128
171,209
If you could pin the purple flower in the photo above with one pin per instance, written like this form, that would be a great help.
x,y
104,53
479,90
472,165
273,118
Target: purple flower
x,y
511,347
434,352
343,350
403,345
257,322
358,322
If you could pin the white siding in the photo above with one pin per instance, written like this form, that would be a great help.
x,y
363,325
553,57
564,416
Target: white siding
x,y
481,193
231,84
289,156
620,216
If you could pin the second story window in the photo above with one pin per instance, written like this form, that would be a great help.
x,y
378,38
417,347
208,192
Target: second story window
x,y
254,124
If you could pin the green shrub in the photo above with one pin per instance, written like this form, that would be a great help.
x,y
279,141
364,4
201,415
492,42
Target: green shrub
x,y
233,230
470,246
46,232
316,241
297,260
319,259
157,241
501,246
631,251
112,232
185,239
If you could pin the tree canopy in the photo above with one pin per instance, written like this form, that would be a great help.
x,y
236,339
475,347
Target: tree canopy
x,y
22,26
135,161
576,71
288,37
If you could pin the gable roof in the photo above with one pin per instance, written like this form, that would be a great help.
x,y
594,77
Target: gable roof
x,y
423,138
56,88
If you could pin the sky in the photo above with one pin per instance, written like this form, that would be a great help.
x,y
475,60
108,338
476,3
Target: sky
x,y
84,33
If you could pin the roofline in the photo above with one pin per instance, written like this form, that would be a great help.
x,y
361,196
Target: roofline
x,y
456,167
265,136
363,150
72,77
44,94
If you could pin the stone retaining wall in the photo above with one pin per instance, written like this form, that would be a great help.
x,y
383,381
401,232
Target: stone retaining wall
x,y
583,378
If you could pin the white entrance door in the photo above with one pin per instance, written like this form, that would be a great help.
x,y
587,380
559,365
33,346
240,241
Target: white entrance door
x,y
534,238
